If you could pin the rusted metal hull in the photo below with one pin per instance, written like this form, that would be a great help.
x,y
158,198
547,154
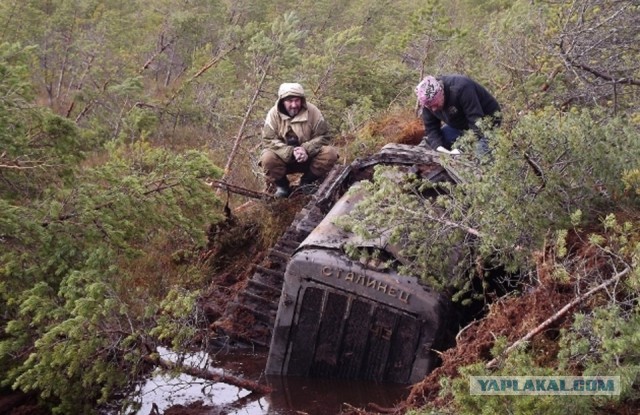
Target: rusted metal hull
x,y
324,315
338,319
342,318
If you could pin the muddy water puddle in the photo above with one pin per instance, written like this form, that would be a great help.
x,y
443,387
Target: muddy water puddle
x,y
185,394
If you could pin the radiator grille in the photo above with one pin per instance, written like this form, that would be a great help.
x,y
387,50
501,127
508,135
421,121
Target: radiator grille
x,y
338,335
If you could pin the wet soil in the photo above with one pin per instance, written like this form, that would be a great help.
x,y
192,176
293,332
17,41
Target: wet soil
x,y
511,318
18,403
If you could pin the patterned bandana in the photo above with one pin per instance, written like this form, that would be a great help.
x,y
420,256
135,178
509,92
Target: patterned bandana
x,y
428,90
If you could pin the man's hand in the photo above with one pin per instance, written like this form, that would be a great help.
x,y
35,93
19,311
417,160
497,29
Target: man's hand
x,y
300,154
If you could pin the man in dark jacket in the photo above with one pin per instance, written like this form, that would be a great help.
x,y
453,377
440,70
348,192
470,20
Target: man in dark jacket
x,y
451,105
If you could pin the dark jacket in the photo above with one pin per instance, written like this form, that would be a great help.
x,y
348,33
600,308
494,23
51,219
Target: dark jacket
x,y
466,101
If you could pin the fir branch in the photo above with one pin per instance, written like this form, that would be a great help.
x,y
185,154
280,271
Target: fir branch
x,y
557,316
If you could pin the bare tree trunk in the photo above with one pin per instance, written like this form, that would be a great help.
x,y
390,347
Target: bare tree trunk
x,y
236,143
68,40
167,78
119,120
47,73
163,47
214,377
62,71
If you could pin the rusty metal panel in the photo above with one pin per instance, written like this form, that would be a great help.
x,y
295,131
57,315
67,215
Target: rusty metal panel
x,y
305,332
380,334
349,319
354,339
327,346
405,343
337,318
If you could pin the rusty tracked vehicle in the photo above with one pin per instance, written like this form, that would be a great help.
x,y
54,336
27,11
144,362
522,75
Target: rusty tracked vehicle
x,y
322,314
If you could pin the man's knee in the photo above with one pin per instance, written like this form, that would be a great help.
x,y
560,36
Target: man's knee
x,y
273,166
450,135
324,160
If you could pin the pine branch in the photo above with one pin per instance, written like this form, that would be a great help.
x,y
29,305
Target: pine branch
x,y
445,222
159,187
213,61
17,164
557,316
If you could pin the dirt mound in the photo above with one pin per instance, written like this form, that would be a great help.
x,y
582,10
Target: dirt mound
x,y
400,128
234,248
512,317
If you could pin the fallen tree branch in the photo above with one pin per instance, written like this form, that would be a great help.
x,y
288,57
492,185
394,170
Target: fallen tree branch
x,y
239,190
209,375
557,315
17,164
602,75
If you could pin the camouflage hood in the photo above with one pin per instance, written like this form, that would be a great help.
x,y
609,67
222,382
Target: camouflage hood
x,y
290,90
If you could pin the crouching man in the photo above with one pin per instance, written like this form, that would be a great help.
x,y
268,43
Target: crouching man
x,y
296,140
452,104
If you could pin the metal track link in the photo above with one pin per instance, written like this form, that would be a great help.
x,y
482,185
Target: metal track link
x,y
269,275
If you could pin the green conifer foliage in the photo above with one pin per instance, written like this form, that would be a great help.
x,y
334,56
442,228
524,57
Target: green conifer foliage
x,y
600,339
78,302
544,169
89,89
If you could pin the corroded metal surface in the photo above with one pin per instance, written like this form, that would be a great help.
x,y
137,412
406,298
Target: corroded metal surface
x,y
339,319
251,316
351,319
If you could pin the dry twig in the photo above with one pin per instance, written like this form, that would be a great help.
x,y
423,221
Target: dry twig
x,y
557,315
208,375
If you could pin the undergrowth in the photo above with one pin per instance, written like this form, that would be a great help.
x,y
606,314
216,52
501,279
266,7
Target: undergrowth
x,y
553,209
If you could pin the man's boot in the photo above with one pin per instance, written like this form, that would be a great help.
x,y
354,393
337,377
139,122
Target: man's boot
x,y
308,178
282,188
309,183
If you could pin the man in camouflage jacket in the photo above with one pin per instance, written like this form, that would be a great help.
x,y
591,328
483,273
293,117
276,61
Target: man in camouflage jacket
x,y
296,140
